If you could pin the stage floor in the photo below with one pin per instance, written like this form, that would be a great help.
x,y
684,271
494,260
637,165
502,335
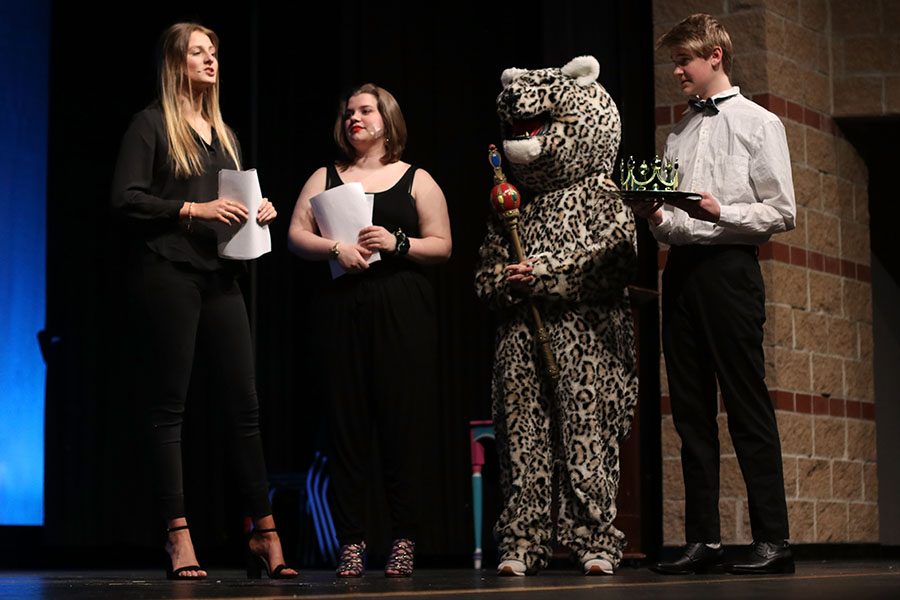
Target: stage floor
x,y
856,580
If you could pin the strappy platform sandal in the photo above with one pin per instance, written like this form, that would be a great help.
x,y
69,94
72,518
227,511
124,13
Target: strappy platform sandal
x,y
400,561
352,561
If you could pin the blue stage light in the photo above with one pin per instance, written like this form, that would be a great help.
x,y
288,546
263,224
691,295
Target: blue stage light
x,y
24,66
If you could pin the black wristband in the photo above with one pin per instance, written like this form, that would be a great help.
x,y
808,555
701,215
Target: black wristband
x,y
402,246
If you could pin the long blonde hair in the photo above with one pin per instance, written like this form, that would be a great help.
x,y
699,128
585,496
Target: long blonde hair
x,y
184,150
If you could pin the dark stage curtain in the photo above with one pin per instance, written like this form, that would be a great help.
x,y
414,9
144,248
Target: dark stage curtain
x,y
282,74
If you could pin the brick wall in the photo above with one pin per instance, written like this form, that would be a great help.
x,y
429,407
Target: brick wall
x,y
819,318
866,55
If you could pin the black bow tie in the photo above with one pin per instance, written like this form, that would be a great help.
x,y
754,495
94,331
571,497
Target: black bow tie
x,y
710,104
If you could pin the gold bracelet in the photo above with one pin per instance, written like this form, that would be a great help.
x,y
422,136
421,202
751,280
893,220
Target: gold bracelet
x,y
190,215
335,250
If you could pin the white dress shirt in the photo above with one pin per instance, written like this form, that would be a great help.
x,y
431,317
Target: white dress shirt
x,y
740,156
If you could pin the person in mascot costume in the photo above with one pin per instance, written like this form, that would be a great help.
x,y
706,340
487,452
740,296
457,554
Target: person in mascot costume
x,y
561,137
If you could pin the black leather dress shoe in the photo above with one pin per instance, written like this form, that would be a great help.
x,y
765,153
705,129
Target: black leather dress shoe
x,y
765,558
697,558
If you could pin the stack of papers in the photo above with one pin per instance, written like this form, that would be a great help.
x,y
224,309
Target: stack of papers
x,y
249,240
340,213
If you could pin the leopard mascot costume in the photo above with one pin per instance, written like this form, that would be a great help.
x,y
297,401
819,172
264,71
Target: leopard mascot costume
x,y
561,136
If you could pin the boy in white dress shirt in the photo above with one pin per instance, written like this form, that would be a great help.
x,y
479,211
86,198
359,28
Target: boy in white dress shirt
x,y
734,154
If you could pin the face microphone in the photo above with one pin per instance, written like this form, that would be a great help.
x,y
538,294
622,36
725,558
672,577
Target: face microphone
x,y
375,132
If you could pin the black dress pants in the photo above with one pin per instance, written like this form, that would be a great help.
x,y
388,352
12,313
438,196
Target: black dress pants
x,y
377,350
713,315
178,305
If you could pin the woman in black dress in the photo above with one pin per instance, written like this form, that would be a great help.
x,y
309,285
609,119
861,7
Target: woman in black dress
x,y
377,323
166,188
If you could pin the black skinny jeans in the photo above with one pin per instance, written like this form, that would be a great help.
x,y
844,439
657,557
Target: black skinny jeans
x,y
178,305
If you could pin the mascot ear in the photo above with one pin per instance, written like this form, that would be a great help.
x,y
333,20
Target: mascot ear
x,y
584,69
509,75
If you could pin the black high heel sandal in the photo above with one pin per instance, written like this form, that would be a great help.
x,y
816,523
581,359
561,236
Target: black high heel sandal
x,y
256,563
176,574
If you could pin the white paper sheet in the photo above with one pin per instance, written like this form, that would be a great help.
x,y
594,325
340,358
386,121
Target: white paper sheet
x,y
250,240
340,213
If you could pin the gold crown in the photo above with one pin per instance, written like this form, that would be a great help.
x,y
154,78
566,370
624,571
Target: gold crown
x,y
659,176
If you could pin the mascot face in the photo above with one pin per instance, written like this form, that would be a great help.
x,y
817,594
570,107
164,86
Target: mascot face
x,y
559,125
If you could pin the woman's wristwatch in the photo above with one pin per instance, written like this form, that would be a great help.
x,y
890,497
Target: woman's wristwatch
x,y
402,246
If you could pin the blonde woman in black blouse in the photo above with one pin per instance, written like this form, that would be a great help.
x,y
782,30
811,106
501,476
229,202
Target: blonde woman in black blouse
x,y
166,188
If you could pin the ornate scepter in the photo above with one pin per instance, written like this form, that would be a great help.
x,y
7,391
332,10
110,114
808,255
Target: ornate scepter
x,y
505,199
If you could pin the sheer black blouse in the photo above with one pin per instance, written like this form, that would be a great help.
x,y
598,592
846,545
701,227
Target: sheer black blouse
x,y
147,194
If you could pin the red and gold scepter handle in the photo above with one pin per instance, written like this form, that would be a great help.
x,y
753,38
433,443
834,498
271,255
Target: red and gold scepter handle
x,y
505,199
